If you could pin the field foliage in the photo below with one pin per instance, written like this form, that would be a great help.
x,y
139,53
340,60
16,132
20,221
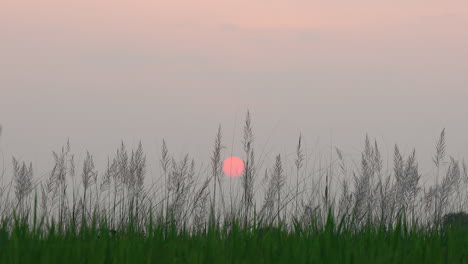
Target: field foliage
x,y
341,212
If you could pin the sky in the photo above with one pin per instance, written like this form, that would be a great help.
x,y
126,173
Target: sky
x,y
99,71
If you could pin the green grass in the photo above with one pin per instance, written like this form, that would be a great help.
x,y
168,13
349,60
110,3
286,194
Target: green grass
x,y
20,243
77,215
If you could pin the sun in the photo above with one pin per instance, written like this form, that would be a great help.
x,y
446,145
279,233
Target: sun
x,y
233,166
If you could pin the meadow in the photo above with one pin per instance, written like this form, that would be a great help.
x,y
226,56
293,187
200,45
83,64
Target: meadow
x,y
187,214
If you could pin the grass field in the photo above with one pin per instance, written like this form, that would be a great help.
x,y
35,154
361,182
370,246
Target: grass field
x,y
161,245
190,213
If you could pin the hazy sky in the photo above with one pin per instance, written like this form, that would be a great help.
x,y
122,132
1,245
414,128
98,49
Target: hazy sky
x,y
101,71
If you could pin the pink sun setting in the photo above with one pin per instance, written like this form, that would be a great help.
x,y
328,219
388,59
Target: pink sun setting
x,y
233,166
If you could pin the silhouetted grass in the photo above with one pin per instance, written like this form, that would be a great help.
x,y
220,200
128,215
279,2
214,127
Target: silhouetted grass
x,y
22,244
377,215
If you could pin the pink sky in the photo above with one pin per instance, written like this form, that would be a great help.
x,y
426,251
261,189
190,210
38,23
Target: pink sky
x,y
235,33
309,65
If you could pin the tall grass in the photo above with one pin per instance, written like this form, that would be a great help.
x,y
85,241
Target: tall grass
x,y
187,206
329,244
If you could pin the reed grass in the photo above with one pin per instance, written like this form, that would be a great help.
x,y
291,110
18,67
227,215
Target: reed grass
x,y
377,214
